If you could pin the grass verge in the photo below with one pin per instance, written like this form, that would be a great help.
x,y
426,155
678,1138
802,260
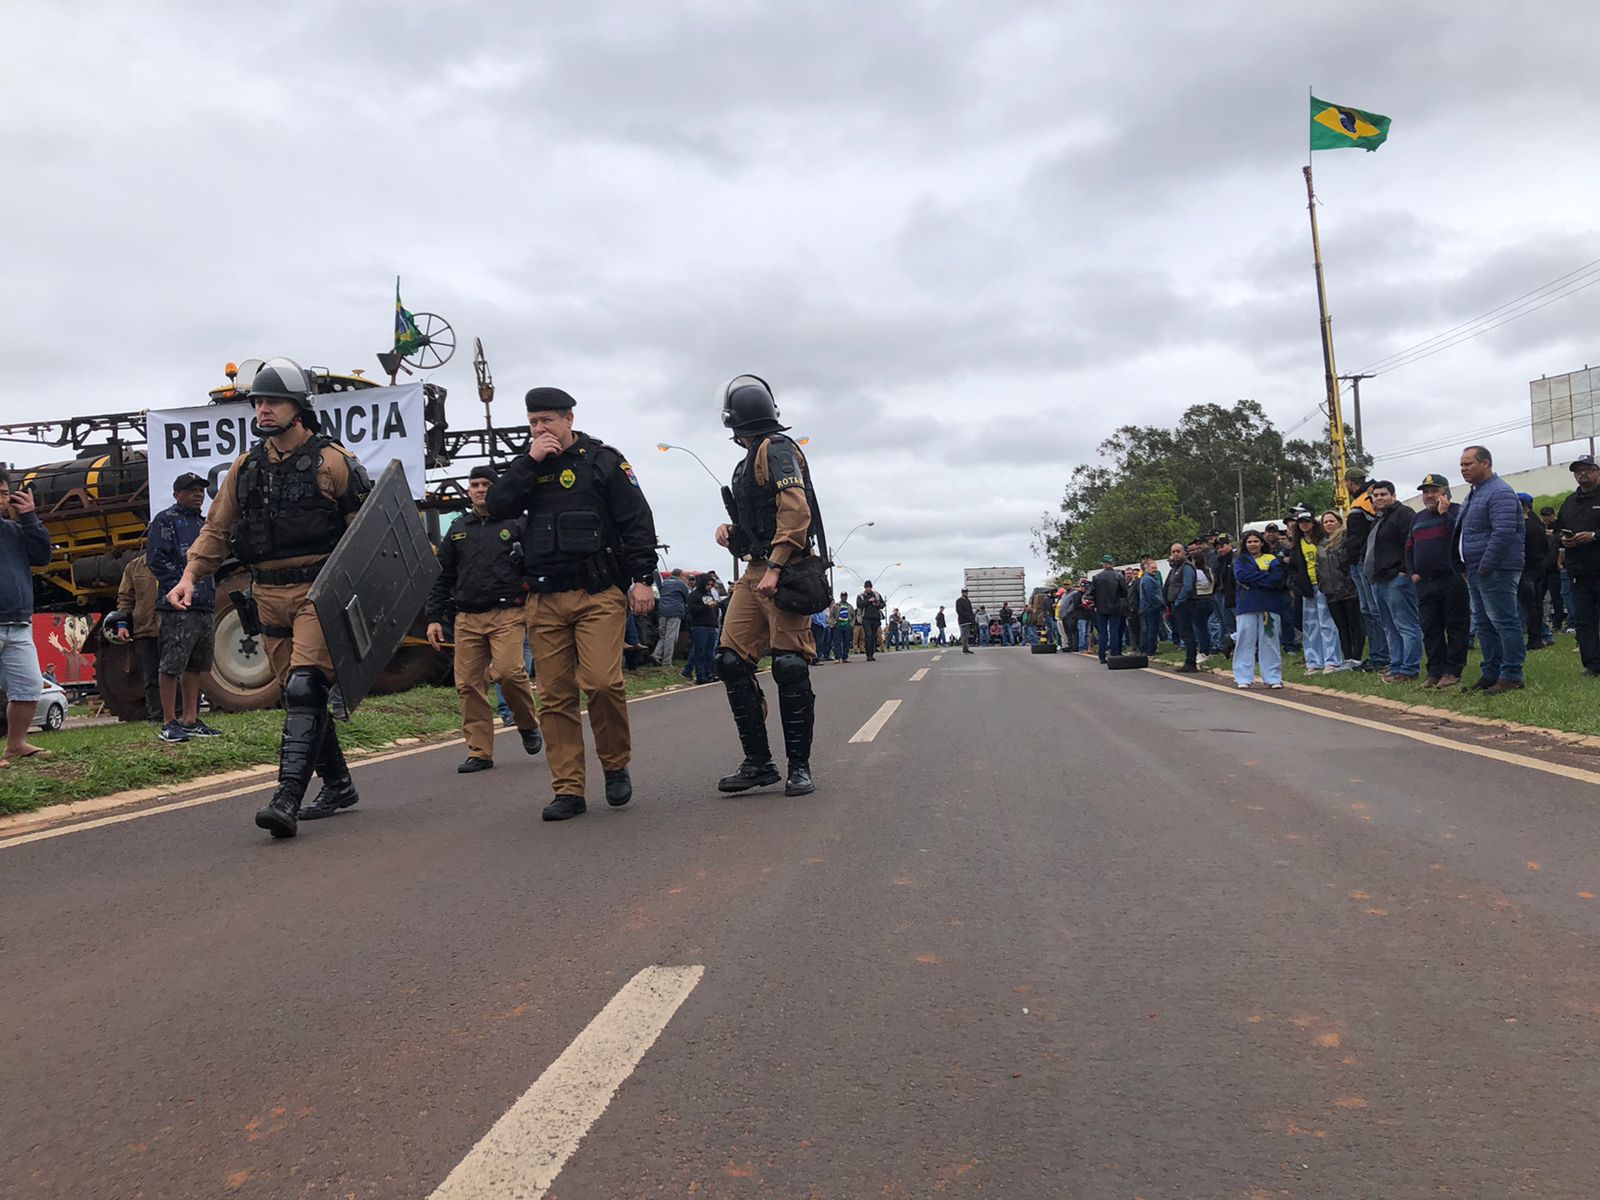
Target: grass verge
x,y
104,759
1558,694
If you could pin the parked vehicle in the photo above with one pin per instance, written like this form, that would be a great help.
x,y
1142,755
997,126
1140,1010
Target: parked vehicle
x,y
51,714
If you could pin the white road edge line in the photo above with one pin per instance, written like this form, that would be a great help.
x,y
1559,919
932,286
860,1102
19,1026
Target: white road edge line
x,y
523,1152
1501,756
876,722
920,675
267,781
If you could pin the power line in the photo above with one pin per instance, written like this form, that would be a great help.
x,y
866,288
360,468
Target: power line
x,y
1561,288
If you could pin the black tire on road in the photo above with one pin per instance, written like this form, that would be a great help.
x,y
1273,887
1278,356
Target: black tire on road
x,y
1043,648
1127,662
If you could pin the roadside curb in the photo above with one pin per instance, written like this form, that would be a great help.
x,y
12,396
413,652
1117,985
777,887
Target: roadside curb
x,y
1588,741
19,824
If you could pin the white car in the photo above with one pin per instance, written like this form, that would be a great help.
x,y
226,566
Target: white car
x,y
52,711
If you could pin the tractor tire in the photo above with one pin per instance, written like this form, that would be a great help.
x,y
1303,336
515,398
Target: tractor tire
x,y
1127,662
241,677
411,667
117,679
1042,648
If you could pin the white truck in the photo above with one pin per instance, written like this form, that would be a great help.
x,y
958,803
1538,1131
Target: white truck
x,y
990,587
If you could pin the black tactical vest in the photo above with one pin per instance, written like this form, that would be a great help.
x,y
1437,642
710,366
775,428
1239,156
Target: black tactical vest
x,y
757,506
282,511
567,523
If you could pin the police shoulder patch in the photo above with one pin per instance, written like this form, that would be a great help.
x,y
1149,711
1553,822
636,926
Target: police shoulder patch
x,y
627,469
783,466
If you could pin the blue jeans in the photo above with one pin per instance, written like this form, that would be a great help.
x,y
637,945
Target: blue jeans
x,y
1402,624
1186,622
983,633
1499,623
702,662
1252,644
1109,630
1318,634
843,636
1149,630
823,636
1371,620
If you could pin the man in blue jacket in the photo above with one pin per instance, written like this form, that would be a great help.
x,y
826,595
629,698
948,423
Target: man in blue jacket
x,y
1179,594
24,544
1488,550
1150,603
183,637
671,609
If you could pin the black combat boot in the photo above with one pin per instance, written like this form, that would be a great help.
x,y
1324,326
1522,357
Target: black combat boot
x,y
750,717
619,787
797,712
338,790
305,724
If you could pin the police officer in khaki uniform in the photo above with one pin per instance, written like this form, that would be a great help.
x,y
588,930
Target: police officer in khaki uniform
x,y
589,534
282,509
774,505
481,582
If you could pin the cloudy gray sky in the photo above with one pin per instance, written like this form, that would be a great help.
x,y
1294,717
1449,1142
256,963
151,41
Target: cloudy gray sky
x,y
964,241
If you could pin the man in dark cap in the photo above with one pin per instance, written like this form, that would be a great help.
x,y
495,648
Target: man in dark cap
x,y
1578,554
775,524
588,553
183,638
1110,591
482,586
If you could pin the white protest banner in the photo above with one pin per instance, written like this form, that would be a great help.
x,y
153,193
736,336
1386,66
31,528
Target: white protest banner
x,y
374,424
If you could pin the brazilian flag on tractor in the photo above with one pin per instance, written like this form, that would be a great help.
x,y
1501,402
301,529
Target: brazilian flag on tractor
x,y
407,337
1334,127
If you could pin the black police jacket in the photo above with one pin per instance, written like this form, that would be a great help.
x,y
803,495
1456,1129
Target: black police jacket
x,y
480,567
586,516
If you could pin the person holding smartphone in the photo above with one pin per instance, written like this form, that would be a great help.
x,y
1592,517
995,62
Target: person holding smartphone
x,y
24,544
1578,554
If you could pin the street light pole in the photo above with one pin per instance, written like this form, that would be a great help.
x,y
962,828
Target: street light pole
x,y
840,546
664,447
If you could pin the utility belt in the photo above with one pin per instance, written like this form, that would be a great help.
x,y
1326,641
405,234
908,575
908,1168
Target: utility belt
x,y
503,602
282,575
594,575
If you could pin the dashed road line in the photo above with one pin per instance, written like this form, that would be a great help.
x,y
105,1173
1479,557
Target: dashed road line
x,y
920,675
523,1152
876,722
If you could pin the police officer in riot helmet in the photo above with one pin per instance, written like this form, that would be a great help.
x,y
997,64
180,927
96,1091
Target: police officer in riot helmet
x,y
589,552
281,510
774,514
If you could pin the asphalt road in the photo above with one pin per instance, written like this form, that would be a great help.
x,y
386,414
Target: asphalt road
x,y
1054,932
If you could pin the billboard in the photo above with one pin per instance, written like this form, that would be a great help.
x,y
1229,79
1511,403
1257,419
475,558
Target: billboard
x,y
1565,407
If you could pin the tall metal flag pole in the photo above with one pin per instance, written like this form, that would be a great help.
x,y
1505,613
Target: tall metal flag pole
x,y
1341,494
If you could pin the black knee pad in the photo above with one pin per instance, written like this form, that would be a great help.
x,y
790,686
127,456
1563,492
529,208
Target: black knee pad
x,y
305,688
789,669
731,668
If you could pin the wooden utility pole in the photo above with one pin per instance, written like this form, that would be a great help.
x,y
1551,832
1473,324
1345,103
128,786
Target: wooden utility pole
x,y
1330,373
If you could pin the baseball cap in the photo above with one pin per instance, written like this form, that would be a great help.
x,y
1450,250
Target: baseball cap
x,y
186,481
1583,460
1433,480
1272,527
1106,558
484,471
1525,497
1547,511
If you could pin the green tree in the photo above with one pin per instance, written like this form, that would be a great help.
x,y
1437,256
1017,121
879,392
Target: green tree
x,y
1214,454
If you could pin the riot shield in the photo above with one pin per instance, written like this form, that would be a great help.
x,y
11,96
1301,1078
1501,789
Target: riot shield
x,y
373,585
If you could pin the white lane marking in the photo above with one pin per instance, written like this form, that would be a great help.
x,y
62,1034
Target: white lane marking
x,y
1502,756
920,675
876,721
64,824
521,1155
937,657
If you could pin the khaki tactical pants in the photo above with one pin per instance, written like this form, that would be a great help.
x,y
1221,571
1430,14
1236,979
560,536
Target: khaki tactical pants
x,y
285,606
489,647
577,644
754,624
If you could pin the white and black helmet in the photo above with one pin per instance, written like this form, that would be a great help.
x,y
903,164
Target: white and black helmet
x,y
285,379
748,407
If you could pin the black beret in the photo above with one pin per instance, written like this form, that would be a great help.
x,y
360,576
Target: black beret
x,y
483,471
548,399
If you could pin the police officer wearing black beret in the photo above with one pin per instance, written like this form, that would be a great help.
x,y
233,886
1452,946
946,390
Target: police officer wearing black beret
x,y
481,584
589,552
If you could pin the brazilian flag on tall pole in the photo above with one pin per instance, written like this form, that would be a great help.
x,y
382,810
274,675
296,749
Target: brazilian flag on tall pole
x,y
407,337
1336,127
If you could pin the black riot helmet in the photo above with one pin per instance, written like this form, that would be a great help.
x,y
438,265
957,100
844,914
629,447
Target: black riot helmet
x,y
748,407
285,379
